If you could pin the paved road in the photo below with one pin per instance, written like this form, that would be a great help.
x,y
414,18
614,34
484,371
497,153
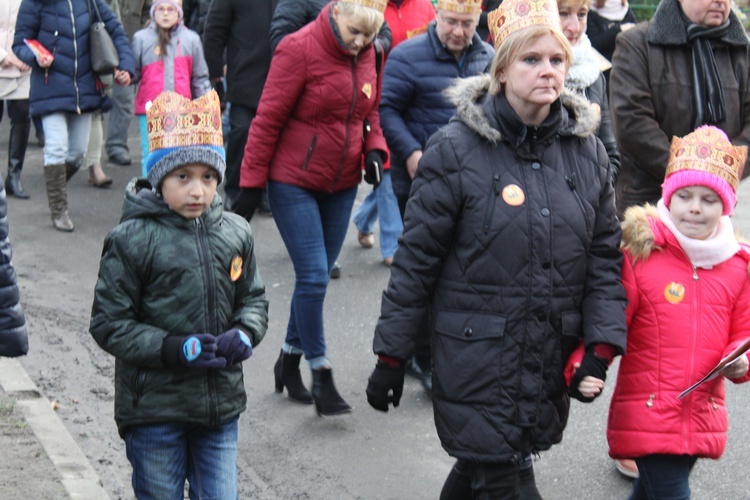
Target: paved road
x,y
286,451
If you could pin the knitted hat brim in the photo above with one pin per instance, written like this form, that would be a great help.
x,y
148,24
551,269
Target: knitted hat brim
x,y
166,161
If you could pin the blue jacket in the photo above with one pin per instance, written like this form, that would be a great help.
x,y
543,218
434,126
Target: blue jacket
x,y
413,106
62,26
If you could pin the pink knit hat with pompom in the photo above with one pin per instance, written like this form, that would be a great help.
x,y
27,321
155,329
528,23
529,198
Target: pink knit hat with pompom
x,y
705,157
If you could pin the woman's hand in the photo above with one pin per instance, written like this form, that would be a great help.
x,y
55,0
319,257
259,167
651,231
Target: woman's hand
x,y
44,61
122,77
11,60
737,369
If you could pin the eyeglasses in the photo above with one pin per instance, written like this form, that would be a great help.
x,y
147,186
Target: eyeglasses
x,y
166,9
455,23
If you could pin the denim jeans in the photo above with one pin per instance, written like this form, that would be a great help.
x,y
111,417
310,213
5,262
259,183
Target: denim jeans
x,y
66,138
164,455
313,226
663,477
123,106
381,202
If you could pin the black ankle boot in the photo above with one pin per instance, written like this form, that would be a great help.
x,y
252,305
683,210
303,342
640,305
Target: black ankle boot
x,y
328,402
286,372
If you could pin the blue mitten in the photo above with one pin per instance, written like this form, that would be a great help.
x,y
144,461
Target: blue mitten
x,y
234,345
193,351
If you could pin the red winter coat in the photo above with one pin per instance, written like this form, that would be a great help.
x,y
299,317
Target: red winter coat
x,y
310,122
679,327
409,19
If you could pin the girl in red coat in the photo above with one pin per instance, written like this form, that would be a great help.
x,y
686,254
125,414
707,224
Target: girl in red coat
x,y
686,278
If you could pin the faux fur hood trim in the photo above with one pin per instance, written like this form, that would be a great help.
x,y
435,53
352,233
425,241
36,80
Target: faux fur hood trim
x,y
467,94
639,238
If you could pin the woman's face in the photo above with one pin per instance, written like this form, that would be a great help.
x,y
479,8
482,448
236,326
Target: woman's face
x,y
353,32
707,13
573,17
534,79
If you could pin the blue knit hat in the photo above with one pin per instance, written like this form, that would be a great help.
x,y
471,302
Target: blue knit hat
x,y
181,132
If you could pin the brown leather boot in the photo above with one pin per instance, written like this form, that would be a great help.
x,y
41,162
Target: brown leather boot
x,y
57,196
97,177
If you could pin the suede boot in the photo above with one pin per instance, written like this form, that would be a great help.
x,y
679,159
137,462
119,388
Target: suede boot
x,y
328,402
19,138
57,196
286,372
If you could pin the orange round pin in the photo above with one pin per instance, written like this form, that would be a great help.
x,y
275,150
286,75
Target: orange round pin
x,y
235,269
513,195
674,293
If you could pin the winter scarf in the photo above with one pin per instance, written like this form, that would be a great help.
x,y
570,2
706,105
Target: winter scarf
x,y
585,68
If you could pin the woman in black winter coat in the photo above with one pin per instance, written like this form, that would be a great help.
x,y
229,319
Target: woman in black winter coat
x,y
511,251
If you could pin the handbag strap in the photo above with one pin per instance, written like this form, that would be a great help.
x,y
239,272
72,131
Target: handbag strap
x,y
88,4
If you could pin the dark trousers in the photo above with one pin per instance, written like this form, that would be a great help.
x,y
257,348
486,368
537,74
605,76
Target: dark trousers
x,y
663,477
240,119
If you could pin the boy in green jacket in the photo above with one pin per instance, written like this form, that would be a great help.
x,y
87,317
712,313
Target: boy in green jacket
x,y
180,304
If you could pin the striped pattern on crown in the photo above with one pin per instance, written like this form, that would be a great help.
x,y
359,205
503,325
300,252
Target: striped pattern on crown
x,y
461,6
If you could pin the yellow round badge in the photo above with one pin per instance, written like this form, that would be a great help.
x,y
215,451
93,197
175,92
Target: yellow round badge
x,y
513,195
235,270
674,293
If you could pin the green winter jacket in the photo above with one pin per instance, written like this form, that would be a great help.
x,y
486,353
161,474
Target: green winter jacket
x,y
163,275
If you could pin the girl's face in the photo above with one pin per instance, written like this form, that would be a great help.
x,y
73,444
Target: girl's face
x,y
353,32
573,17
696,211
166,16
534,79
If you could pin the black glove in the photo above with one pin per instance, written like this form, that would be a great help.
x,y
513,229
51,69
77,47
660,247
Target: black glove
x,y
193,351
592,365
234,346
218,86
374,168
247,202
385,378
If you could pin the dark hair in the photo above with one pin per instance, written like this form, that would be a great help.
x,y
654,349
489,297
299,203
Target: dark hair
x,y
165,36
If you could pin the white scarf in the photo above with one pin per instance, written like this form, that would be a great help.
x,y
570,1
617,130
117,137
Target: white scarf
x,y
585,68
721,246
613,10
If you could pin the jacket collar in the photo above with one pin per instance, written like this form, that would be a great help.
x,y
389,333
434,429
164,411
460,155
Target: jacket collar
x,y
323,31
668,27
476,108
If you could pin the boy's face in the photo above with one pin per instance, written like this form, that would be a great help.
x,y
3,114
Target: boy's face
x,y
696,211
189,189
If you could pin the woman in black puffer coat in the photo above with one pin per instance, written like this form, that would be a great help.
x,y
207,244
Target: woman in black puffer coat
x,y
14,340
510,249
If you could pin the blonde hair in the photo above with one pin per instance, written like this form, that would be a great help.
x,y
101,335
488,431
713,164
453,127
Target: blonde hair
x,y
571,3
372,18
516,43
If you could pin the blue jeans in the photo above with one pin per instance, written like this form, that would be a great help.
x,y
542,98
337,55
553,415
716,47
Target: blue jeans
x,y
313,226
66,138
663,477
381,201
163,456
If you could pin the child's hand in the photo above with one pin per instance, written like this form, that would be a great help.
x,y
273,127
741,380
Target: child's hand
x,y
590,387
588,379
234,346
122,77
737,369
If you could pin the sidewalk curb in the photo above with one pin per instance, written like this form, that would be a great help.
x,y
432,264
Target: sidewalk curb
x,y
78,476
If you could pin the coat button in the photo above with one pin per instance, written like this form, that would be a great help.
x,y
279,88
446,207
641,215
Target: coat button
x,y
545,212
468,331
536,166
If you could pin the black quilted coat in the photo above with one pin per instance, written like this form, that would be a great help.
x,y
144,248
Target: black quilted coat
x,y
510,247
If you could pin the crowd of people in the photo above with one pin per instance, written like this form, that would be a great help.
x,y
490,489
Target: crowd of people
x,y
534,229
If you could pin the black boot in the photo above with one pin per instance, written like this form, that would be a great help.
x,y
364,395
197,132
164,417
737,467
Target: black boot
x,y
328,402
19,138
286,372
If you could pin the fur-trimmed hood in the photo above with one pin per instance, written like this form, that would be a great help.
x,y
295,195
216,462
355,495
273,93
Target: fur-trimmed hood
x,y
469,95
641,234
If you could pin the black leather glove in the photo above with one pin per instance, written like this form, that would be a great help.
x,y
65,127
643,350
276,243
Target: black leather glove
x,y
591,365
385,378
193,351
247,202
234,346
374,168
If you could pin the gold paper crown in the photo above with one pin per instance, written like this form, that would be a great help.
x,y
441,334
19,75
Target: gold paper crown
x,y
175,121
461,6
515,15
378,5
708,149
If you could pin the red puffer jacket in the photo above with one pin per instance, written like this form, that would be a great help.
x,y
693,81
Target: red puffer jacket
x,y
681,322
310,122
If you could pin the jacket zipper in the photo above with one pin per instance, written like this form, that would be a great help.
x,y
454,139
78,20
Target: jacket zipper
x,y
310,151
348,119
75,59
572,185
211,324
491,201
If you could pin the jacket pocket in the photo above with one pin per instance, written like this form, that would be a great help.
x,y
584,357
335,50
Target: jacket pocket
x,y
467,350
310,150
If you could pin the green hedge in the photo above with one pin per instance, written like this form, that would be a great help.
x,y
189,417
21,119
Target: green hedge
x,y
645,10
